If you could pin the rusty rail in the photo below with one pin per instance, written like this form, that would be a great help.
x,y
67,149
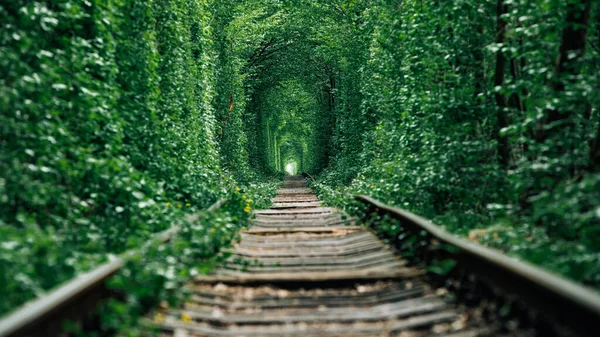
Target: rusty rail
x,y
300,243
67,300
556,298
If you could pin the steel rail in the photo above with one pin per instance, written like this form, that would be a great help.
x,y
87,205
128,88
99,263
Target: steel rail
x,y
307,175
51,306
557,299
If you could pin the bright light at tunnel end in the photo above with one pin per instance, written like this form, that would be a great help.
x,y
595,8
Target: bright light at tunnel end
x,y
291,168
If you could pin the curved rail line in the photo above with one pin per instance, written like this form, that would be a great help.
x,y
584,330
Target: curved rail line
x,y
307,270
560,301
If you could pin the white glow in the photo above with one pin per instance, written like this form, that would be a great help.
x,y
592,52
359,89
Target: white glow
x,y
291,168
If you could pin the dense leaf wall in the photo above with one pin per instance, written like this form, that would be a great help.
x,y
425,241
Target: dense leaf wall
x,y
111,129
481,115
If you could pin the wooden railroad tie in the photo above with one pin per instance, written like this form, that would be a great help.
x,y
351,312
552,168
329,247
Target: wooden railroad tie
x,y
307,270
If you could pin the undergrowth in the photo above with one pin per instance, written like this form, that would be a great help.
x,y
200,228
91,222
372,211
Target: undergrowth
x,y
522,241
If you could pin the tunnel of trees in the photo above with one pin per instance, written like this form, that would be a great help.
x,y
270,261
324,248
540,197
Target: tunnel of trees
x,y
117,115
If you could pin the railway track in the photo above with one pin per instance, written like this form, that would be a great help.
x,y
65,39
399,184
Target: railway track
x,y
307,270
303,269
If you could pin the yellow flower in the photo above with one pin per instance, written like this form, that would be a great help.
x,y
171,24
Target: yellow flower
x,y
186,317
168,204
159,317
244,197
179,206
212,230
372,186
237,189
249,201
247,209
188,204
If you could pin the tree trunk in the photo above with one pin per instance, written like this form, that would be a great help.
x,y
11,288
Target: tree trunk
x,y
572,49
595,143
479,57
515,99
501,102
595,150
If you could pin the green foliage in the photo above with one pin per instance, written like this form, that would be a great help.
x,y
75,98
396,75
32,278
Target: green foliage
x,y
118,114
109,131
483,118
156,275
